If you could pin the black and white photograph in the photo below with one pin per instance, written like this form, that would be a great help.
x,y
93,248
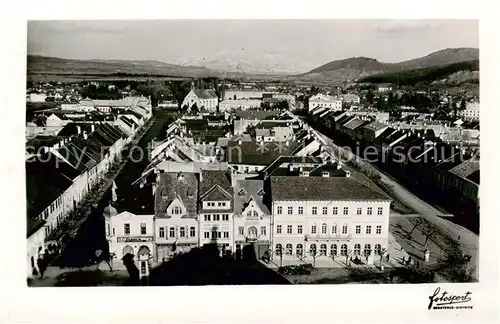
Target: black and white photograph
x,y
243,159
249,165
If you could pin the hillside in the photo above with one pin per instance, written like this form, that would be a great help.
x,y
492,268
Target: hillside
x,y
53,65
455,73
359,67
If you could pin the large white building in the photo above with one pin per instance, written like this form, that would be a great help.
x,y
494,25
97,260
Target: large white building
x,y
323,101
325,216
471,111
203,99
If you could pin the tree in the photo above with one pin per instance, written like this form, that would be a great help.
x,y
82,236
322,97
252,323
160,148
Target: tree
x,y
313,90
347,254
279,253
314,254
370,97
381,253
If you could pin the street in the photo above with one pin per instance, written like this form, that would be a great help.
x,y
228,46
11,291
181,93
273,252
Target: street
x,y
469,242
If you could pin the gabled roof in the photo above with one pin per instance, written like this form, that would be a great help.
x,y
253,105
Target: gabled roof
x,y
172,185
319,188
205,93
255,154
212,178
72,129
354,123
466,168
250,190
375,126
46,181
290,159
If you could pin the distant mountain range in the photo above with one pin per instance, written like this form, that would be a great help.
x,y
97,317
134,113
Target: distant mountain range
x,y
339,70
359,67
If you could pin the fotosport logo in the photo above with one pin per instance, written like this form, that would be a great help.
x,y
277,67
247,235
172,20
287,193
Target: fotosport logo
x,y
441,299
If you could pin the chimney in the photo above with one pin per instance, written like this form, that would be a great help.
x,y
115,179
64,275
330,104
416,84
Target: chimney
x,y
348,174
92,128
201,176
287,143
239,142
78,129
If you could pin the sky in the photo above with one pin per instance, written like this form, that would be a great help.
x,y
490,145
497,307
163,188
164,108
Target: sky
x,y
280,45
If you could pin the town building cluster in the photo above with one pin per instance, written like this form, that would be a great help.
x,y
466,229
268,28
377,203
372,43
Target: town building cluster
x,y
65,164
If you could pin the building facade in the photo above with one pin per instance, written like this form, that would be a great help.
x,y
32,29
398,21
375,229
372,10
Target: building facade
x,y
313,218
252,219
216,210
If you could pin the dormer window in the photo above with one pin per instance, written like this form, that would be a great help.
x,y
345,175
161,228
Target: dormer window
x,y
261,192
242,192
176,210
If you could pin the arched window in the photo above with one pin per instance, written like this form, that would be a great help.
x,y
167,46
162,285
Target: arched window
x,y
255,214
334,228
343,249
249,214
378,249
367,250
323,228
312,249
127,249
357,249
333,249
289,249
279,249
300,249
322,249
252,232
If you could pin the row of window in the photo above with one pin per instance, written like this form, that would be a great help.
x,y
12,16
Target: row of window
x,y
182,231
325,210
252,231
216,217
324,229
299,250
215,235
219,204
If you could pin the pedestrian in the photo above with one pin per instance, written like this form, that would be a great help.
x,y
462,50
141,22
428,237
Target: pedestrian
x,y
391,276
387,257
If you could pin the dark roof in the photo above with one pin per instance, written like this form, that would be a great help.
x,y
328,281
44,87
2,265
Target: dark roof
x,y
127,121
331,168
172,185
374,126
46,181
386,133
34,144
253,153
134,113
319,188
255,113
213,178
246,190
33,225
290,159
205,93
393,137
72,129
474,177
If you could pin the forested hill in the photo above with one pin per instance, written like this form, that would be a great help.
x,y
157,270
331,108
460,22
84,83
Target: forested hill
x,y
423,75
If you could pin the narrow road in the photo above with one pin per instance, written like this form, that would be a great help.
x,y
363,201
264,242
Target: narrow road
x,y
469,241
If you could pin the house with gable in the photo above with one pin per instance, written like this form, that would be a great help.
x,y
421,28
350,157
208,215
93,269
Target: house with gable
x,y
252,219
176,216
203,98
216,209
